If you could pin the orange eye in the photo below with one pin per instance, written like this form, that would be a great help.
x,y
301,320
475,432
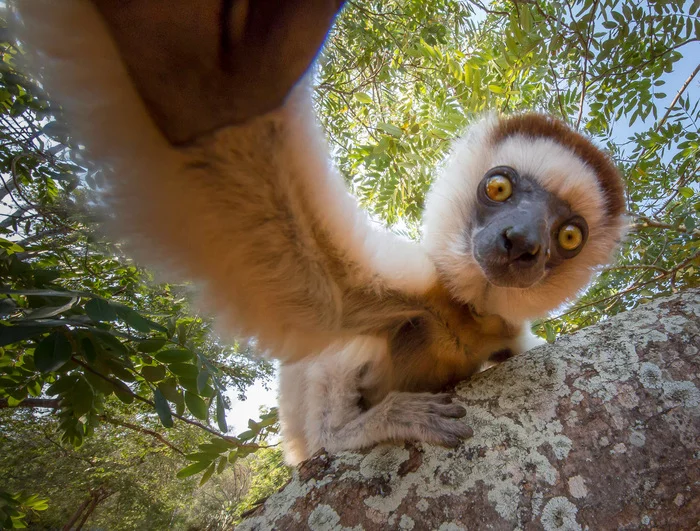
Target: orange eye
x,y
570,237
499,188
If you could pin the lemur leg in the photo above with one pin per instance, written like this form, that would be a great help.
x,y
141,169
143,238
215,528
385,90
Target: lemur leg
x,y
336,420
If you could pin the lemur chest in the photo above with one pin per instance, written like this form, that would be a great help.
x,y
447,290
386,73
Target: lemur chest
x,y
445,345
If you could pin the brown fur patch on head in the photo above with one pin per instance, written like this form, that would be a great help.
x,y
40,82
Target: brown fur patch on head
x,y
535,125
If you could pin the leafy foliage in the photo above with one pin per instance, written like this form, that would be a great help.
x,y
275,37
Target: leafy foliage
x,y
93,338
129,473
14,508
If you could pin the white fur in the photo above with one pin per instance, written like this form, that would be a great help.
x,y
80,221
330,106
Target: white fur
x,y
554,167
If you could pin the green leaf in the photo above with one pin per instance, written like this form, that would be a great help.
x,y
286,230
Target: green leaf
x,y
151,345
136,321
34,388
193,469
217,445
153,373
196,405
390,129
110,343
50,311
54,129
63,384
208,474
123,393
362,97
169,389
88,349
52,353
550,333
497,89
82,397
267,422
10,247
186,370
222,465
686,192
244,451
247,435
18,522
202,380
163,409
100,310
174,356
99,385
221,413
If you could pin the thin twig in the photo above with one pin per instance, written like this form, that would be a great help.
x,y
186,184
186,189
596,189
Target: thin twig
x,y
556,87
661,122
647,223
586,51
634,287
140,398
146,431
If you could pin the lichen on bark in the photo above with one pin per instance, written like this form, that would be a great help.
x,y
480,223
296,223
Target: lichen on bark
x,y
597,431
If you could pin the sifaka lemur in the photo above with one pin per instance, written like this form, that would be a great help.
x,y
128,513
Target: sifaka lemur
x,y
218,172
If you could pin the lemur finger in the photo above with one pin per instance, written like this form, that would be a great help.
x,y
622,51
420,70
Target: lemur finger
x,y
451,441
452,410
442,398
449,432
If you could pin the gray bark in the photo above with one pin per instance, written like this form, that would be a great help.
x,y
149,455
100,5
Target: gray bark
x,y
598,431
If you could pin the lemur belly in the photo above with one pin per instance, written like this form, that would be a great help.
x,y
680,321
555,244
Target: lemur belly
x,y
446,344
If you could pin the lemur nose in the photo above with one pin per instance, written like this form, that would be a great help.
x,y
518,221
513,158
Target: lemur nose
x,y
522,246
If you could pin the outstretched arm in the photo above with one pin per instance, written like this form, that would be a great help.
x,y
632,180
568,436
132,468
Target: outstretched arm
x,y
254,212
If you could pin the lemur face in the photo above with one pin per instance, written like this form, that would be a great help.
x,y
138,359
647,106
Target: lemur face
x,y
520,230
524,211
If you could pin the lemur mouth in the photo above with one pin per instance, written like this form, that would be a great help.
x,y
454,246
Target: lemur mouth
x,y
507,264
511,275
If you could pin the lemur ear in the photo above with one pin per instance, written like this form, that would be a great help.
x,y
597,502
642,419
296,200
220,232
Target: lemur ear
x,y
203,64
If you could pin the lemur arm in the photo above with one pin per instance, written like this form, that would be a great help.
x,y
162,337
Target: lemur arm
x,y
320,405
254,213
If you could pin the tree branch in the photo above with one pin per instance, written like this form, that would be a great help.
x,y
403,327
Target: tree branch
x,y
611,71
122,388
140,429
49,403
647,223
633,287
661,122
586,51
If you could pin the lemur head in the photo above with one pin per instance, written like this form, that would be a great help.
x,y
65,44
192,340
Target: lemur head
x,y
524,211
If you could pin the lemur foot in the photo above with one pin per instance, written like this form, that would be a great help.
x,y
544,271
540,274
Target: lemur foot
x,y
427,417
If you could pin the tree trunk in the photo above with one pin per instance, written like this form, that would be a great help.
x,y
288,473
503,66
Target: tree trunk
x,y
76,514
86,509
598,431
